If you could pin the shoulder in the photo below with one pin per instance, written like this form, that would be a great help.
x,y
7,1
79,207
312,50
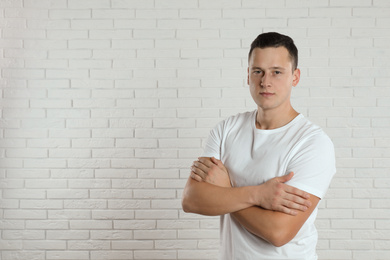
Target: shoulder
x,y
238,119
313,137
233,124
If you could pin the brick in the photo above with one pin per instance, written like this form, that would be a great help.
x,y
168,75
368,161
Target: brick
x,y
155,234
88,245
377,254
132,184
135,224
156,214
112,254
79,255
90,224
334,254
169,254
12,224
71,173
23,234
111,235
43,244
26,13
85,204
67,234
38,204
23,193
47,224
197,233
200,13
204,254
50,184
113,214
115,173
69,14
128,204
176,4
157,13
69,214
140,244
208,244
370,234
155,193
177,224
157,173
352,224
198,34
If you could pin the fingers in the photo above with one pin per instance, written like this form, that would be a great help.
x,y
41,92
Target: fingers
x,y
206,161
197,170
196,177
200,168
285,209
285,178
297,199
294,202
216,161
297,192
289,207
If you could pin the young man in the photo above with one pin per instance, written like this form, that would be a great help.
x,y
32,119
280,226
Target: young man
x,y
264,171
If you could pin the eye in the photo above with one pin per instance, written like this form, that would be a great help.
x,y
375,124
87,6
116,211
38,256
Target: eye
x,y
257,71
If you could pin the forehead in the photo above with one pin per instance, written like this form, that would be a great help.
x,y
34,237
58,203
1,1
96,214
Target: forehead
x,y
270,56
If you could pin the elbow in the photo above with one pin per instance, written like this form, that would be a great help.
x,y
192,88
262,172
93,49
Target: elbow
x,y
190,205
280,238
189,202
278,242
186,203
185,206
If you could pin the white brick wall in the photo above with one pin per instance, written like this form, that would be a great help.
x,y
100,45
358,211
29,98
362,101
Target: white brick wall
x,y
105,103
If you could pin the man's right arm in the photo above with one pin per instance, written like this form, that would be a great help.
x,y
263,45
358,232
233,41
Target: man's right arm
x,y
211,200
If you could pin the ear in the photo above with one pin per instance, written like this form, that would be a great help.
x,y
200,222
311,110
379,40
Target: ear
x,y
296,77
247,79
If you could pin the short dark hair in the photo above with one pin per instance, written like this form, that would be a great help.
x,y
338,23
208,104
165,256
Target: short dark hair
x,y
274,39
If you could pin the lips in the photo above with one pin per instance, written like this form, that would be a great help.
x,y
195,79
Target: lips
x,y
266,94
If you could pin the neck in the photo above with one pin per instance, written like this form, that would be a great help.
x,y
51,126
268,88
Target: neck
x,y
268,119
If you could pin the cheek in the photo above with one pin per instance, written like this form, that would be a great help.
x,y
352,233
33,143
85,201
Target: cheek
x,y
253,80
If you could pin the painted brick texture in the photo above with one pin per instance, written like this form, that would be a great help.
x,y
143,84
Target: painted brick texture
x,y
106,103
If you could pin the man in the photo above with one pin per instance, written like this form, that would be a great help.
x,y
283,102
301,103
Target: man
x,y
264,171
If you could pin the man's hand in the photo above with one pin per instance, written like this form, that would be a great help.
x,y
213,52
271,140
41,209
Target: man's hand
x,y
210,170
278,196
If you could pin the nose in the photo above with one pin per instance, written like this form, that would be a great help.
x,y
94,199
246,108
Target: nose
x,y
265,82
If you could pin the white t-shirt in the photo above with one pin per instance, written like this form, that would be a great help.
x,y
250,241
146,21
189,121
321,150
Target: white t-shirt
x,y
253,156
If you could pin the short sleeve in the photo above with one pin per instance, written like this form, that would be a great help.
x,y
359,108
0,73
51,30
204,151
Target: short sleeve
x,y
212,147
313,164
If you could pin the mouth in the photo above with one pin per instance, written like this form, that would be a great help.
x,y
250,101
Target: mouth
x,y
267,94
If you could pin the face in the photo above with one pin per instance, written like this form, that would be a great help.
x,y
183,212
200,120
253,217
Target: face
x,y
271,78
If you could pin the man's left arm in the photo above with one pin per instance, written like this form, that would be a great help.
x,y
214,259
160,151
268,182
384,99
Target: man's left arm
x,y
277,228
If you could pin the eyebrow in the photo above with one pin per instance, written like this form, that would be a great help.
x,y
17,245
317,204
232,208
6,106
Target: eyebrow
x,y
275,67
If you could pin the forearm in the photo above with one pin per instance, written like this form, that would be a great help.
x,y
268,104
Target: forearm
x,y
265,224
275,227
207,199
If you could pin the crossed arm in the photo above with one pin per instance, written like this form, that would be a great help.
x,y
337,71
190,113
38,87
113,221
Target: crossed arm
x,y
272,211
